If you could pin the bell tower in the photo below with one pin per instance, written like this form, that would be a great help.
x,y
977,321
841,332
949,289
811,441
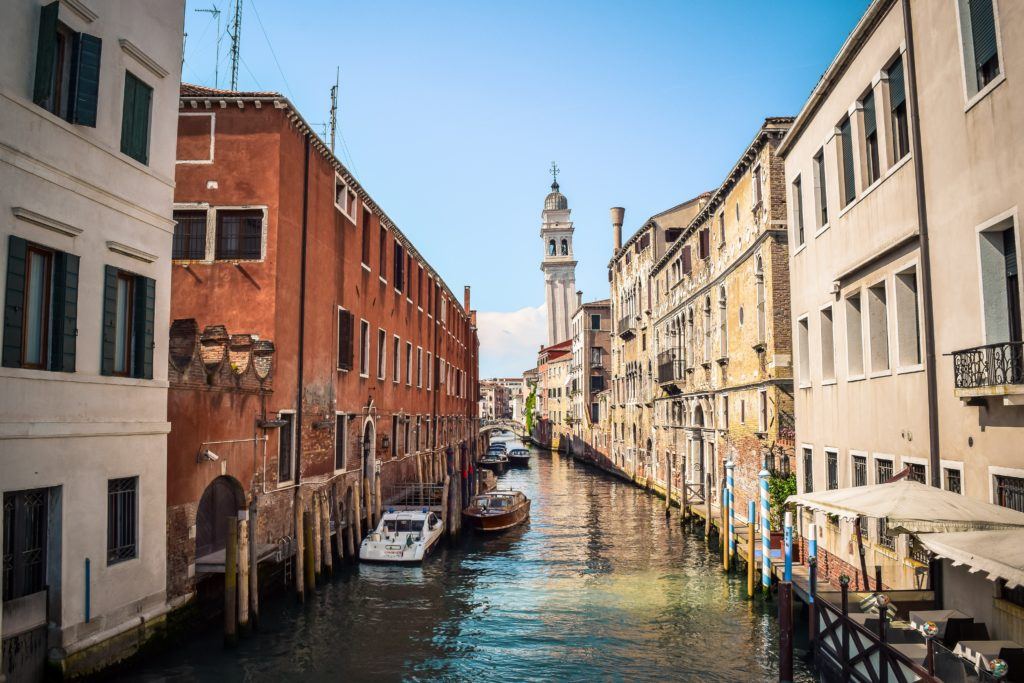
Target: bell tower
x,y
558,265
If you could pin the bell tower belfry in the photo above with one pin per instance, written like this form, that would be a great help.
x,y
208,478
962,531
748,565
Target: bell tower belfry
x,y
558,265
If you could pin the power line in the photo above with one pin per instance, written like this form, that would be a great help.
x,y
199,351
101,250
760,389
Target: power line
x,y
271,46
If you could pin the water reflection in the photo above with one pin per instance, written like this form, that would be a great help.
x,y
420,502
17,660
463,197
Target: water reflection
x,y
596,586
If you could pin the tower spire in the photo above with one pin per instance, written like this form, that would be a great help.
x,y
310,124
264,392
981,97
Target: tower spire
x,y
554,171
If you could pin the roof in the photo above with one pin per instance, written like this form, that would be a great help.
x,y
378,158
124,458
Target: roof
x,y
192,94
653,220
1000,554
773,125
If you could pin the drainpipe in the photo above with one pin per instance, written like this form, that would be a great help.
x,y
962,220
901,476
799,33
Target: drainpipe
x,y
302,336
926,269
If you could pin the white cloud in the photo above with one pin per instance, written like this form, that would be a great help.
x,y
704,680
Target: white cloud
x,y
509,341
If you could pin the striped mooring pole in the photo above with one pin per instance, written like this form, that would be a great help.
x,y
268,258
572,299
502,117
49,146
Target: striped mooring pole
x,y
812,539
787,574
766,533
731,499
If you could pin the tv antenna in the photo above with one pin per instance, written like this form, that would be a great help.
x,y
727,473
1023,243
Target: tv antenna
x,y
334,106
236,40
215,13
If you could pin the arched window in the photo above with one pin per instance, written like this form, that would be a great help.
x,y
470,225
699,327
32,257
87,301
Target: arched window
x,y
762,316
707,329
690,351
565,247
723,323
551,248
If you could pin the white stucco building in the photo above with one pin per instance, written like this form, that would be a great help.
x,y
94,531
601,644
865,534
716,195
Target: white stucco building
x,y
88,120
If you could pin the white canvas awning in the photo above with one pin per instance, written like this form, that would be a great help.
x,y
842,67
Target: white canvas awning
x,y
912,507
998,553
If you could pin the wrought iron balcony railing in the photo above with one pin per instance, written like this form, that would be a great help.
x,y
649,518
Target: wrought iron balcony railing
x,y
989,366
627,327
670,369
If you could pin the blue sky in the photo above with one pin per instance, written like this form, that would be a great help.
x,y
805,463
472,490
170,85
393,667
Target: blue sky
x,y
451,114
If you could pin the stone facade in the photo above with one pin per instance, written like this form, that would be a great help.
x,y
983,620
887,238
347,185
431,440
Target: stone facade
x,y
589,369
558,265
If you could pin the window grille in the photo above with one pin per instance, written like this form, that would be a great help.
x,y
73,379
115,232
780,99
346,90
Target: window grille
x,y
121,519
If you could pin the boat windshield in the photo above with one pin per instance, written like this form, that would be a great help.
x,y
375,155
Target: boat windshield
x,y
398,525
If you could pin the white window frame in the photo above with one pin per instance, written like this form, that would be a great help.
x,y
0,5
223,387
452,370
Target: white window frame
x,y
419,367
430,371
869,361
804,447
873,472
827,381
763,411
855,453
337,345
1011,215
839,469
364,343
803,352
993,472
859,293
911,460
957,465
396,351
338,180
408,364
382,353
902,368
972,99
213,139
210,247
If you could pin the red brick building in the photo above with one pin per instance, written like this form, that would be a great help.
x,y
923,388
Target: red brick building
x,y
375,360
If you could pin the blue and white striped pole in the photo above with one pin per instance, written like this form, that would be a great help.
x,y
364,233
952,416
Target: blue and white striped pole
x,y
787,574
766,533
812,539
731,499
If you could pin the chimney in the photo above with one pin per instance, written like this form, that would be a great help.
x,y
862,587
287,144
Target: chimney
x,y
465,299
579,299
618,213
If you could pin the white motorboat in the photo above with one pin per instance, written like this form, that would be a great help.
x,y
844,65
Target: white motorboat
x,y
402,536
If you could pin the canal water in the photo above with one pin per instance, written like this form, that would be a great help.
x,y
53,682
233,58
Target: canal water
x,y
597,586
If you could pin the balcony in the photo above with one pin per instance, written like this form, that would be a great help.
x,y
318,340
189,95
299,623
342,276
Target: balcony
x,y
993,370
670,369
627,327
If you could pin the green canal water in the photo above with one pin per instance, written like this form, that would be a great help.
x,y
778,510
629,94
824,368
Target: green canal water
x,y
597,586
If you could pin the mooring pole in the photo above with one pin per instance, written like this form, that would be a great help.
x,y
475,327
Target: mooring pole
x,y
724,536
707,504
785,632
812,608
307,539
231,582
766,534
787,530
254,570
325,529
243,574
300,570
731,485
317,554
751,565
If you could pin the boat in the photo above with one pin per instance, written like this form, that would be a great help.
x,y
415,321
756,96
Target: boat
x,y
497,510
519,457
497,446
402,536
494,461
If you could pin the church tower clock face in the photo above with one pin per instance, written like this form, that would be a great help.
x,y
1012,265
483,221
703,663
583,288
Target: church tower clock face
x,y
557,263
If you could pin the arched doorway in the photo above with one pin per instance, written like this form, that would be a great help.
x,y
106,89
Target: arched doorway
x,y
222,498
698,437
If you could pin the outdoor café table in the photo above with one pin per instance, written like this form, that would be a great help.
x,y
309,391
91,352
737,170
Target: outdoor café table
x,y
981,651
938,616
915,652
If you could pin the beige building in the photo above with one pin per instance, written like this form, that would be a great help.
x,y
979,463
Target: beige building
x,y
905,245
88,105
632,389
722,341
588,370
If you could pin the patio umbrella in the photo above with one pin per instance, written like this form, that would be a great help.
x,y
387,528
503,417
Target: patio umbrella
x,y
998,553
912,507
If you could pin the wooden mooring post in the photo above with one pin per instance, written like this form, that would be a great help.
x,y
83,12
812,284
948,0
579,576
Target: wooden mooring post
x,y
357,514
231,582
243,574
785,632
707,504
300,570
308,545
254,569
685,506
325,530
314,503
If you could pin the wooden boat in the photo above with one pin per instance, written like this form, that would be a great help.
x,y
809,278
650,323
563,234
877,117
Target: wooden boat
x,y
497,510
496,462
519,457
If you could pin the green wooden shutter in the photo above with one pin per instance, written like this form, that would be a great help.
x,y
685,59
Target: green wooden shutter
x,y
870,123
46,54
897,91
128,115
850,190
85,71
109,331
14,302
983,31
64,312
135,118
145,304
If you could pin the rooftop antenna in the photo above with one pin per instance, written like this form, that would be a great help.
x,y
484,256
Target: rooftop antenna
x,y
236,39
215,13
334,105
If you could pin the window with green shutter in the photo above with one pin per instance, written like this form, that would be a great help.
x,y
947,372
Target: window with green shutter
x,y
129,303
138,98
846,142
40,307
898,109
67,77
870,138
983,36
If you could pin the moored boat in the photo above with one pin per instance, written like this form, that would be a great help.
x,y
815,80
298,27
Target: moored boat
x,y
519,457
494,461
404,536
497,510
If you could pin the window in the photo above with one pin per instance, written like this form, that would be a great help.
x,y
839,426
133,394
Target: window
x,y
135,118
596,383
917,472
1010,492
908,322
846,179
831,469
704,243
762,411
756,182
1000,282
419,366
430,371
707,329
980,46
883,470
723,323
687,260
762,313
122,515
820,192
595,321
854,337
721,229
396,360
860,470
382,353
286,447
596,354
67,74
408,363
803,349
239,235
189,235
128,319
365,228
25,520
345,350
725,412
808,469
798,212
951,480
828,349
340,440
898,110
40,307
399,272
595,413
364,348
383,249
878,327
344,198
870,138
